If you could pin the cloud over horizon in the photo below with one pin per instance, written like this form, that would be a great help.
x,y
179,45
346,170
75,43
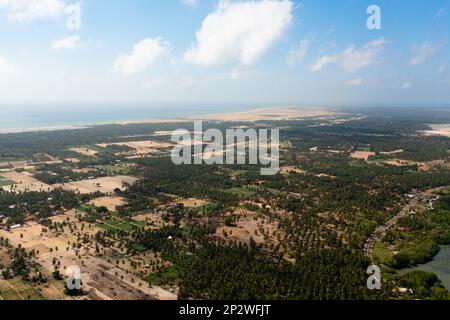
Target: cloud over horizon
x,y
241,31
143,55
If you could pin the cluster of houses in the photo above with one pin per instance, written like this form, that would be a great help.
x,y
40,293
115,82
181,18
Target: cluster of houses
x,y
423,198
27,218
3,224
3,220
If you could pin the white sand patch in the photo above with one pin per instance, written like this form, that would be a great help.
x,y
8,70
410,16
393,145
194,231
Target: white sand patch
x,y
270,114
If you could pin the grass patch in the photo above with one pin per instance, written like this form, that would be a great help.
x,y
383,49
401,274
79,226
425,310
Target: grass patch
x,y
80,157
6,159
244,192
137,247
95,148
10,294
381,252
86,208
115,224
166,276
364,147
17,289
6,182
32,294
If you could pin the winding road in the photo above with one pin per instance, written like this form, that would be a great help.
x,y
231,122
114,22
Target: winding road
x,y
381,231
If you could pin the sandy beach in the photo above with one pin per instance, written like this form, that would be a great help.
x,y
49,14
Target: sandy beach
x,y
51,128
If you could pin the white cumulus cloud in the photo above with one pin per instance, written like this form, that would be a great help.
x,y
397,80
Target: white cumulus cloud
x,y
144,54
423,52
67,43
240,30
25,11
352,59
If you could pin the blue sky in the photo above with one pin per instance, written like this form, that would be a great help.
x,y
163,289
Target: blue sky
x,y
310,52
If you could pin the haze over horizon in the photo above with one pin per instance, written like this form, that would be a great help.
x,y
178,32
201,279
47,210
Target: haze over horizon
x,y
286,51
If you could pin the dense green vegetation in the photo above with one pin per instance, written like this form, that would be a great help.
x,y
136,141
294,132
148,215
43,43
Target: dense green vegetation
x,y
423,285
246,273
323,215
15,206
418,237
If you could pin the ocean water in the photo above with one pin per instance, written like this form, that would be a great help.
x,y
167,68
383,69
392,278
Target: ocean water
x,y
440,265
23,117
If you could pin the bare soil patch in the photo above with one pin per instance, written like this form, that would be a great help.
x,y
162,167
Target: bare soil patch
x,y
141,147
24,181
105,185
109,202
102,276
248,227
192,202
363,155
84,151
288,169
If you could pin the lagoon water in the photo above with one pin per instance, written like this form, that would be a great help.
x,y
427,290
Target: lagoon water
x,y
440,266
22,117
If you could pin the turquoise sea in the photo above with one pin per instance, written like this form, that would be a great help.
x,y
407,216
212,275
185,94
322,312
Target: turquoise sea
x,y
56,115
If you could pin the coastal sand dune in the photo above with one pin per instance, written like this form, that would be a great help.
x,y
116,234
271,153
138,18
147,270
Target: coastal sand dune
x,y
438,130
268,114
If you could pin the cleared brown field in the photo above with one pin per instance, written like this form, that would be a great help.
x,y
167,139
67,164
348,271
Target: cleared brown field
x,y
84,151
105,185
24,181
141,147
192,202
400,163
289,169
101,276
247,227
363,155
154,219
108,202
433,165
